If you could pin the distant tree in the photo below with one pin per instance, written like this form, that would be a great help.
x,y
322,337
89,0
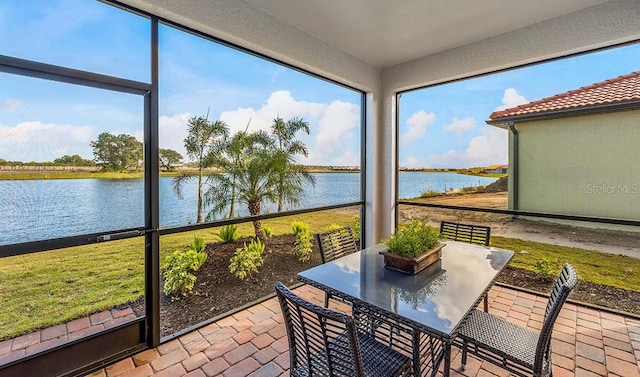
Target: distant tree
x,y
117,153
74,160
204,140
169,158
291,176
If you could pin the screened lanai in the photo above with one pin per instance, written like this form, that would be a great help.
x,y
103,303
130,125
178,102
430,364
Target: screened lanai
x,y
369,55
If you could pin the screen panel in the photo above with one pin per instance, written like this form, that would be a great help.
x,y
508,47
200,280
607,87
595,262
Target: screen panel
x,y
71,160
202,84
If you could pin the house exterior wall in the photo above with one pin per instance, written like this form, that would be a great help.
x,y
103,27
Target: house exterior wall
x,y
585,165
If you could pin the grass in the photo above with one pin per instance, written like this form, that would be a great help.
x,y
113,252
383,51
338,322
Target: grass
x,y
44,289
607,269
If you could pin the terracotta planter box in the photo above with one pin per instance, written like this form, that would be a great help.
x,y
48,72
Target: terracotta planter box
x,y
412,265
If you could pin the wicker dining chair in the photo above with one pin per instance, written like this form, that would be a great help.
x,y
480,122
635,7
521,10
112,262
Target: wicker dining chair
x,y
476,234
324,342
334,244
519,350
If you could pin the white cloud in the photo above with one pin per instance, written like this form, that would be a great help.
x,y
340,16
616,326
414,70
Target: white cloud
x,y
417,126
348,158
490,147
334,126
412,162
37,141
511,98
338,129
281,104
460,125
172,131
10,105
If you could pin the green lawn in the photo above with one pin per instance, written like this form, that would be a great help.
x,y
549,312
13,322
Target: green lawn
x,y
43,289
592,266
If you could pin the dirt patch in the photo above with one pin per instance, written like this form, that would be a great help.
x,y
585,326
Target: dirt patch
x,y
594,294
217,291
585,237
501,185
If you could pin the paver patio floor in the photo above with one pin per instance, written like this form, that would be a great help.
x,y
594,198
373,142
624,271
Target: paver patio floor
x,y
253,342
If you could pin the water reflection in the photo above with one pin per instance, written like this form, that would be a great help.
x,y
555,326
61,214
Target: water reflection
x,y
438,297
466,286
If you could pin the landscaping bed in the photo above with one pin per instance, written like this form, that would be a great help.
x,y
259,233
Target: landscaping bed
x,y
218,291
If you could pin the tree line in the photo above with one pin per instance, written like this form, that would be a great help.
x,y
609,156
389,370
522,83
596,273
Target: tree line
x,y
124,153
114,153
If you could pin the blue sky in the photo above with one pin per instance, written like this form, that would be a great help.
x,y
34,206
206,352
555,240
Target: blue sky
x,y
441,126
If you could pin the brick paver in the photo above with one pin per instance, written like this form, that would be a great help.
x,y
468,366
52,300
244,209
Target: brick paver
x,y
586,342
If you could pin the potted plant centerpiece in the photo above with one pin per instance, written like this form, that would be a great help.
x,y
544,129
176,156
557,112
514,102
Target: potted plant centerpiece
x,y
412,248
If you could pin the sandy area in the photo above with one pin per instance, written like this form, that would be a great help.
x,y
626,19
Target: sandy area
x,y
609,241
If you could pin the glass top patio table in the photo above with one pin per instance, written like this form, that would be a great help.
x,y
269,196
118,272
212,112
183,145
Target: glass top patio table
x,y
434,301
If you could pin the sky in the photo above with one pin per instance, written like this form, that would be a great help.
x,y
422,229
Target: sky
x,y
441,126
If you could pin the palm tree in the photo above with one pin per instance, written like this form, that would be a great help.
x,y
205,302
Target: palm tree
x,y
291,176
250,178
230,157
203,142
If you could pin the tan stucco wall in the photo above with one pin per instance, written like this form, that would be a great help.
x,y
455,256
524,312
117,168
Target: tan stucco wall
x,y
586,165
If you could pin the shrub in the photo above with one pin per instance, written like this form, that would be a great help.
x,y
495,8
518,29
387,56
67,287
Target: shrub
x,y
332,227
546,268
302,246
228,233
198,244
412,239
178,271
268,231
356,227
247,259
430,194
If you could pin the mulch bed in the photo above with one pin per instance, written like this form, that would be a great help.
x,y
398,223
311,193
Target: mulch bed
x,y
217,291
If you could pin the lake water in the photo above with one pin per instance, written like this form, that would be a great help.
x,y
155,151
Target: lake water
x,y
44,209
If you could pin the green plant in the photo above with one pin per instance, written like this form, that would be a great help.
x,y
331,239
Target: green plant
x,y
268,231
178,271
430,194
412,239
247,259
355,226
228,233
331,227
545,267
302,245
198,244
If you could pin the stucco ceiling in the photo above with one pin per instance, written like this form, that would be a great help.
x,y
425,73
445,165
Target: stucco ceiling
x,y
388,32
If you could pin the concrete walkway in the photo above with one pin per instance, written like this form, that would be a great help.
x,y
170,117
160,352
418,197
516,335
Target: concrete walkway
x,y
586,342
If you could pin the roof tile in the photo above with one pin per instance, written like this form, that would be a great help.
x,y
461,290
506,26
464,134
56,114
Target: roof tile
x,y
613,91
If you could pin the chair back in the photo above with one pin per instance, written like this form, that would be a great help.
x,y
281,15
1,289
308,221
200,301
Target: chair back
x,y
322,342
476,234
336,243
564,285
